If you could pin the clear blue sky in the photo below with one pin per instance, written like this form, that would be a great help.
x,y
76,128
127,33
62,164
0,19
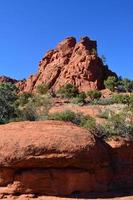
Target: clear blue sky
x,y
28,28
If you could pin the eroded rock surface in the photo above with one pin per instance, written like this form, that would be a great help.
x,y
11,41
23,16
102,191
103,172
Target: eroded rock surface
x,y
58,158
52,158
5,79
71,62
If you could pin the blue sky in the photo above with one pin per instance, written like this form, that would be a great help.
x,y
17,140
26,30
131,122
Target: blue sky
x,y
29,28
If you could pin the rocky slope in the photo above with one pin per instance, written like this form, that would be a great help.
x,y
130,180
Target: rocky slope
x,y
58,158
70,62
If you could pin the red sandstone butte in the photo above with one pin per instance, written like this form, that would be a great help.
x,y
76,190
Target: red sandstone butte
x,y
71,62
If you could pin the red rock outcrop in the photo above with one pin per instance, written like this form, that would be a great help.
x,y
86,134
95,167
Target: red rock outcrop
x,y
58,158
51,158
70,62
122,154
5,79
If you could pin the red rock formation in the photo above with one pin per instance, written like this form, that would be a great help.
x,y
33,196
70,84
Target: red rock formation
x,y
122,154
5,79
58,158
70,62
52,158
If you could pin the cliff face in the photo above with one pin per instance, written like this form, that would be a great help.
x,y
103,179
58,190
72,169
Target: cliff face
x,y
70,62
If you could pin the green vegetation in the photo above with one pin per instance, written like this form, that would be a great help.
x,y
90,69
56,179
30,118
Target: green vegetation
x,y
66,115
87,121
8,95
118,125
94,94
27,106
42,89
121,99
36,108
80,99
68,91
114,99
119,85
111,83
127,85
103,101
23,98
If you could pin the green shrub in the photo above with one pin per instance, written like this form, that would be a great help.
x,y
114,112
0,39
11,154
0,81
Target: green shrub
x,y
111,83
8,96
122,99
87,122
118,125
104,114
103,101
68,91
66,115
131,99
37,108
42,89
94,94
80,99
27,113
77,118
127,84
23,98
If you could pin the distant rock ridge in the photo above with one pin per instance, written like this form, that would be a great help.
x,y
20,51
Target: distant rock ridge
x,y
7,79
71,62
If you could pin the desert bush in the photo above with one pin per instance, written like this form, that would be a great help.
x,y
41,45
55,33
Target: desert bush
x,y
94,94
87,122
118,125
8,96
23,98
111,83
104,113
103,101
37,108
27,113
68,91
127,84
42,89
66,115
121,99
80,99
77,118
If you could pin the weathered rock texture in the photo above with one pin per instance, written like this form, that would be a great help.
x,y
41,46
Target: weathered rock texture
x,y
70,62
52,158
5,79
58,158
122,155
